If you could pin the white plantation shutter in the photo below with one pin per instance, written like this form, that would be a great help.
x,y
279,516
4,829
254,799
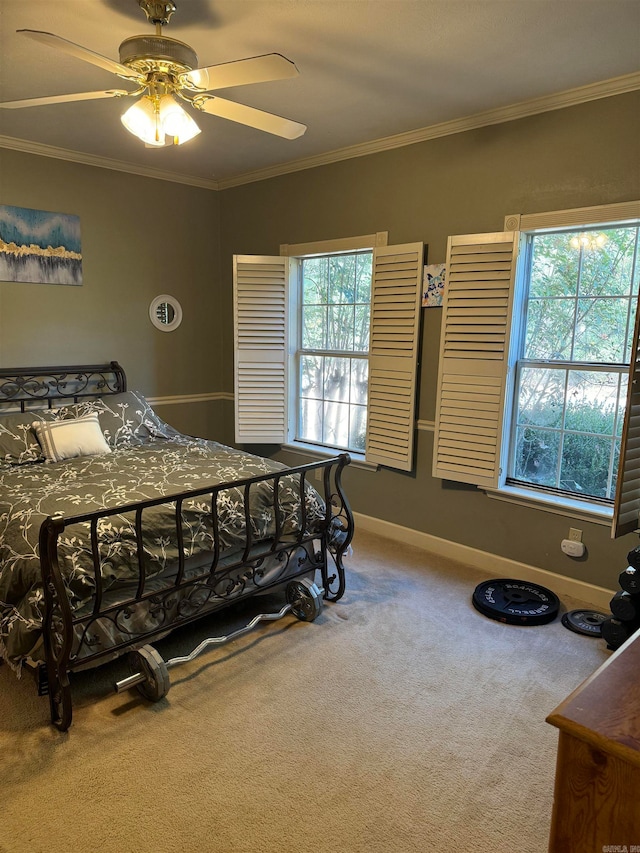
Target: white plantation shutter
x,y
474,352
395,323
627,502
260,286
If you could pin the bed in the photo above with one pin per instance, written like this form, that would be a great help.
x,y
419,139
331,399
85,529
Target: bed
x,y
116,528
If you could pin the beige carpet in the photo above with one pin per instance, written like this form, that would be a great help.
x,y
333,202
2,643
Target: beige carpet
x,y
401,720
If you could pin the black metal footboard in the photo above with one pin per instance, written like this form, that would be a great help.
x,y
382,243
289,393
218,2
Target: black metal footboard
x,y
118,619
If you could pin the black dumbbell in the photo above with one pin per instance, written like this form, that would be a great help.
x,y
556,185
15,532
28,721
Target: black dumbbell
x,y
629,580
625,606
615,632
633,557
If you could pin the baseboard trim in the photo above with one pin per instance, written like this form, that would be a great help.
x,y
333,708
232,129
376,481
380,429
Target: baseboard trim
x,y
496,566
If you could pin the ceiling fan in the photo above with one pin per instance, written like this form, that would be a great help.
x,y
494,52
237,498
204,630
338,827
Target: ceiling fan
x,y
165,71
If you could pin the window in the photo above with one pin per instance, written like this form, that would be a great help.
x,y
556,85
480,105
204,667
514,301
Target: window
x,y
537,342
326,344
333,353
573,360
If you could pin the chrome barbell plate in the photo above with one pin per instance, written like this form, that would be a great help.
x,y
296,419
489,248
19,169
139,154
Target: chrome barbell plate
x,y
150,663
305,599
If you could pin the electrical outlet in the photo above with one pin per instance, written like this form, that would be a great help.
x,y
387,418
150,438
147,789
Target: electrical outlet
x,y
575,535
318,474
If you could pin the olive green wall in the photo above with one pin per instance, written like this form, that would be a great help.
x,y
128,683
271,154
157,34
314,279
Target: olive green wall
x,y
574,157
140,237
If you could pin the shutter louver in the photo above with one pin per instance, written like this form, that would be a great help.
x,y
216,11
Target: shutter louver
x,y
627,502
474,352
395,322
260,331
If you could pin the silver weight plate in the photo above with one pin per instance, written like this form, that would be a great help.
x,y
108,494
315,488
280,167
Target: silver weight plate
x,y
156,675
305,599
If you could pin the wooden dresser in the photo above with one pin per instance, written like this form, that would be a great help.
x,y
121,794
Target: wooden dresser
x,y
597,789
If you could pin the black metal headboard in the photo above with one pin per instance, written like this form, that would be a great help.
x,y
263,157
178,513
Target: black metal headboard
x,y
52,385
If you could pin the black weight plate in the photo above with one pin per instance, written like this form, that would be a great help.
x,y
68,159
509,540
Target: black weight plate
x,y
516,602
585,622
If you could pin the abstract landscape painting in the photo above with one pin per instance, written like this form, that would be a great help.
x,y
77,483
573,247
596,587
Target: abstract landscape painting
x,y
40,247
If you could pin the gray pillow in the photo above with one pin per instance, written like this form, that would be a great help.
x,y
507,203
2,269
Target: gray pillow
x,y
125,419
18,442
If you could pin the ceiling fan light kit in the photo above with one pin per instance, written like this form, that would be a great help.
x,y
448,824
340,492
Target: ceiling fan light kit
x,y
154,118
165,69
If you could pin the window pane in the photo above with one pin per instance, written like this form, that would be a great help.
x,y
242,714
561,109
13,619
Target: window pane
x,y
585,464
358,428
340,327
591,401
537,452
363,277
337,379
541,397
342,279
601,325
632,322
622,402
314,327
361,329
315,281
311,376
549,329
359,381
607,260
311,419
336,424
554,266
614,473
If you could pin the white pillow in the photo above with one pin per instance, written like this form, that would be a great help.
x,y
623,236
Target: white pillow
x,y
74,437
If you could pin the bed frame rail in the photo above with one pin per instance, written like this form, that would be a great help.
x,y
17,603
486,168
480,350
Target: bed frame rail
x,y
189,594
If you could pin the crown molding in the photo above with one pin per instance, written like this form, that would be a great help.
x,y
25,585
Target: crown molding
x,y
534,106
43,150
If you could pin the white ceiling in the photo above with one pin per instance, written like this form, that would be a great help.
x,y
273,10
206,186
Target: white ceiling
x,y
369,69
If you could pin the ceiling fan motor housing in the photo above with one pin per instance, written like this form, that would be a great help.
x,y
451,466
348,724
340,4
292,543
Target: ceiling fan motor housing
x,y
157,49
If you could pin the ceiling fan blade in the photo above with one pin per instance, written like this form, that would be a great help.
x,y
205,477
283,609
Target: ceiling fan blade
x,y
257,69
62,99
83,53
250,116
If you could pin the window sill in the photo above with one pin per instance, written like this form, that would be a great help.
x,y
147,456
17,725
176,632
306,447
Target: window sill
x,y
582,510
315,452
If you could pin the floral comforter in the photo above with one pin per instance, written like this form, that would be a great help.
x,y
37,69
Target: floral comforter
x,y
160,467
